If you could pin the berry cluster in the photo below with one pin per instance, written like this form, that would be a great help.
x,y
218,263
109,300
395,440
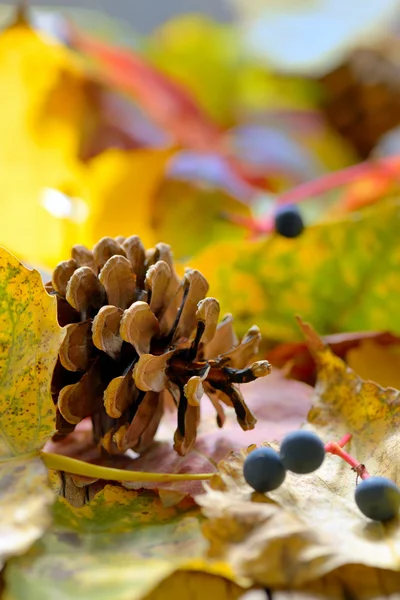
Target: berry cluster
x,y
303,452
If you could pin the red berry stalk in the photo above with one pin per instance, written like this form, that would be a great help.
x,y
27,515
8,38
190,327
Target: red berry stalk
x,y
337,448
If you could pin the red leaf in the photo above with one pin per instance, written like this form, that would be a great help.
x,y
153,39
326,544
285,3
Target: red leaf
x,y
166,101
369,181
298,363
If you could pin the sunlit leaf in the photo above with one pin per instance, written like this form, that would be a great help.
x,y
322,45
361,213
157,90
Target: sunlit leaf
x,y
121,187
29,342
40,141
51,200
312,520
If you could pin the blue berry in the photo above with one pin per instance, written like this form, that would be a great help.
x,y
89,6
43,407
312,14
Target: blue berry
x,y
378,498
263,470
288,221
302,452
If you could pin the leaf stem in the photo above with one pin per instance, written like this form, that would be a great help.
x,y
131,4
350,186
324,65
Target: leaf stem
x,y
337,449
386,166
79,467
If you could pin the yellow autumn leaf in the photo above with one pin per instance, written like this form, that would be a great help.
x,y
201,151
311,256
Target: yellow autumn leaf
x,y
120,187
40,123
375,361
50,199
29,342
310,526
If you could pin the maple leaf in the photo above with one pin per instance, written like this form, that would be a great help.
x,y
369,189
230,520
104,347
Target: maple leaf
x,y
312,521
29,343
122,544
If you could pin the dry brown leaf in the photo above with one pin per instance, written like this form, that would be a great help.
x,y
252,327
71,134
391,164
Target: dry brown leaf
x,y
311,526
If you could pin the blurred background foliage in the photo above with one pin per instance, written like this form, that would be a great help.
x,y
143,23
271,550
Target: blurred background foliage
x,y
191,128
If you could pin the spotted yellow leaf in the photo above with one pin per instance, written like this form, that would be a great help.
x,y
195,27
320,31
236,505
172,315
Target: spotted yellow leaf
x,y
29,341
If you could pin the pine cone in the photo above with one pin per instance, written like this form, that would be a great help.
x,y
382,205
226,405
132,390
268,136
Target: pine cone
x,y
362,96
139,338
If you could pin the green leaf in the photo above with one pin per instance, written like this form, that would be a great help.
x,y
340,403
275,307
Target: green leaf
x,y
178,208
342,275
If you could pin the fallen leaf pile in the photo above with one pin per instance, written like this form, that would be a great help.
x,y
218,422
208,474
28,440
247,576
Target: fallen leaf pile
x,y
310,527
120,369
